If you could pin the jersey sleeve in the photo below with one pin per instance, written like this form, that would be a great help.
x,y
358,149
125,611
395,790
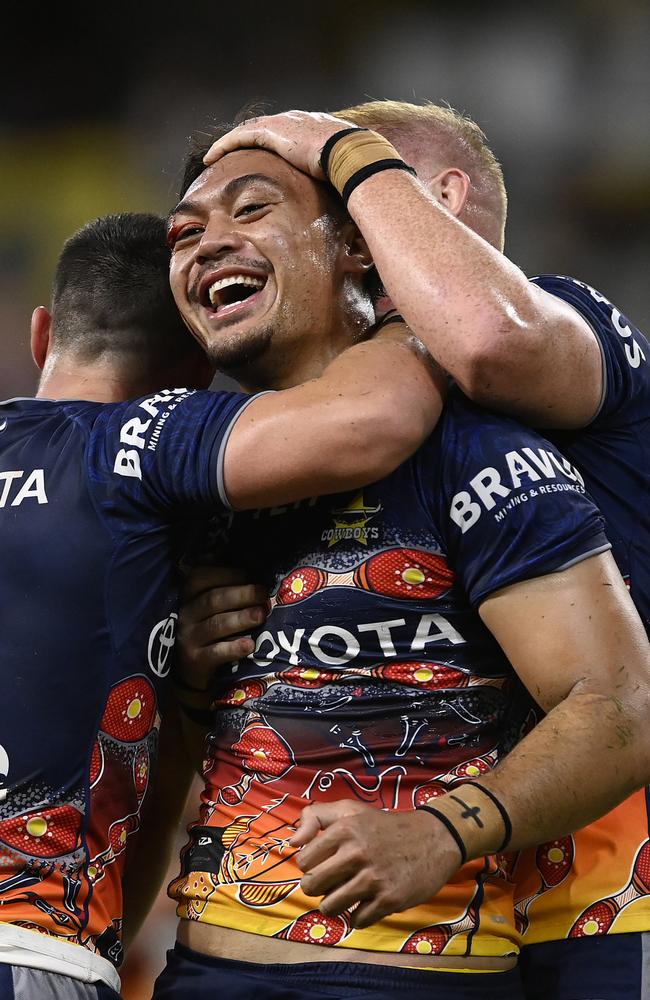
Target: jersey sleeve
x,y
166,451
625,351
511,507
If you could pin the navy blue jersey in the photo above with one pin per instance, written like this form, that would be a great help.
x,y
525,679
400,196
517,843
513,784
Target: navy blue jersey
x,y
613,452
596,882
94,502
374,677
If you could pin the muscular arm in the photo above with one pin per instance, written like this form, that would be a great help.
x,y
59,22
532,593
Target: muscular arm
x,y
576,641
509,344
369,411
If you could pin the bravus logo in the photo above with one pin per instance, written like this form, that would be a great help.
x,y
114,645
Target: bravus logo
x,y
516,481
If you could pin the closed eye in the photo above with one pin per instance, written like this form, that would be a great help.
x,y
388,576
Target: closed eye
x,y
251,209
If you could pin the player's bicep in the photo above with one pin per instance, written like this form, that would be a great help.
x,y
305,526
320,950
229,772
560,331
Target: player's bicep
x,y
557,375
331,435
283,448
576,628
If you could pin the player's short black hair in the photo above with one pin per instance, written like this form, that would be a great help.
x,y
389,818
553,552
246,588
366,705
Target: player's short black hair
x,y
193,166
111,294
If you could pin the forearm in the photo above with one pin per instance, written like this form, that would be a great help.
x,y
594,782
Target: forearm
x,y
368,412
498,335
587,755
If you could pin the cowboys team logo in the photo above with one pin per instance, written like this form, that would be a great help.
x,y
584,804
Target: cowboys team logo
x,y
161,643
351,523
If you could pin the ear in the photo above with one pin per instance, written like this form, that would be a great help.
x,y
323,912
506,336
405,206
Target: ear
x,y
41,335
357,258
451,188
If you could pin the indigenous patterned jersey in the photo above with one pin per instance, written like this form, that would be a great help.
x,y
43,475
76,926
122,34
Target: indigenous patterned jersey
x,y
90,498
374,678
598,881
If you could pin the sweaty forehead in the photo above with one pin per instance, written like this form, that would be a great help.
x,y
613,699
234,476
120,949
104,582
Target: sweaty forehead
x,y
249,167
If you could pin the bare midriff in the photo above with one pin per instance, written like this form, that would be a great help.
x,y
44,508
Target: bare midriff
x,y
240,946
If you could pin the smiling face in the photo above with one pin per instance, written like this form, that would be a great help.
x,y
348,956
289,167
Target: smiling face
x,y
266,270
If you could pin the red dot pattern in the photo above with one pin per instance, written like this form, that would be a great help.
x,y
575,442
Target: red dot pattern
x,y
61,828
314,928
263,751
130,710
395,574
602,914
300,584
429,676
434,937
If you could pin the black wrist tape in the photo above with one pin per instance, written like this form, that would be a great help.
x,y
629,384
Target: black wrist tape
x,y
502,811
452,829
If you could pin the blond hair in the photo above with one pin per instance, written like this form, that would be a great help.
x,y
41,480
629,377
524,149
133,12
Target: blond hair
x,y
440,137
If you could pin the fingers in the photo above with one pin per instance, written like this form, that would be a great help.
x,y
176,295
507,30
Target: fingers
x,y
319,816
252,133
220,653
215,604
346,896
339,868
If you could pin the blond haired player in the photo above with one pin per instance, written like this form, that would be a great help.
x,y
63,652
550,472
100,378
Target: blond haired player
x,y
556,353
365,623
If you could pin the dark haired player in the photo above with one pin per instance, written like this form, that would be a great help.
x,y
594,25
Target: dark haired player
x,y
554,352
374,679
97,499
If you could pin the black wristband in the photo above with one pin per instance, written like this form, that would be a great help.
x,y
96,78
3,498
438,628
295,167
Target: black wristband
x,y
502,810
372,168
331,143
452,829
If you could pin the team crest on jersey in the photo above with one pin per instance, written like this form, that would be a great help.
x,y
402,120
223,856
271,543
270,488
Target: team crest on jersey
x,y
351,523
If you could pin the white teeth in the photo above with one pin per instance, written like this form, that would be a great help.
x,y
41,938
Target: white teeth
x,y
233,279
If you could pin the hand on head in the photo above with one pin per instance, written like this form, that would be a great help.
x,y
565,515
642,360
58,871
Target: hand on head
x,y
297,136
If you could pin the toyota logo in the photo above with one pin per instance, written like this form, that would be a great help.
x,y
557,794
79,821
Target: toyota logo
x,y
161,643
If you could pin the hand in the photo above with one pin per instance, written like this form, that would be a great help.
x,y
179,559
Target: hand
x,y
386,861
297,136
218,604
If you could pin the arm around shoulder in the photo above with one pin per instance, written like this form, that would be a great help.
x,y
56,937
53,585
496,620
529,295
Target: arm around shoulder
x,y
369,411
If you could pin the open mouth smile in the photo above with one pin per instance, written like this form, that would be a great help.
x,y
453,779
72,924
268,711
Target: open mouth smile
x,y
228,294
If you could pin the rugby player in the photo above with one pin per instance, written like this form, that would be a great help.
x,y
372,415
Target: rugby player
x,y
376,681
98,497
556,353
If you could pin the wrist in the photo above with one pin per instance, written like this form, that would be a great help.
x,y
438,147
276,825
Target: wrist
x,y
474,818
352,155
194,702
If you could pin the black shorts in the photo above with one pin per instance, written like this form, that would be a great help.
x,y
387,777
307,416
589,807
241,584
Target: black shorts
x,y
189,975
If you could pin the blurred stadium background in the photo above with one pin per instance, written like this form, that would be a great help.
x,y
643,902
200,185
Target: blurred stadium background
x,y
97,106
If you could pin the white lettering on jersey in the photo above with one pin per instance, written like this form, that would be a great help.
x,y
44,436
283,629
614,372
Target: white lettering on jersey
x,y
430,628
489,483
133,432
633,350
34,486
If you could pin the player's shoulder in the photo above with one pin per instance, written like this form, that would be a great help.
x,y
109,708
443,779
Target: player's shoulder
x,y
624,348
481,446
606,319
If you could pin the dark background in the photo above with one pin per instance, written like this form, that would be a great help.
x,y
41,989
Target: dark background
x,y
97,104
96,108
